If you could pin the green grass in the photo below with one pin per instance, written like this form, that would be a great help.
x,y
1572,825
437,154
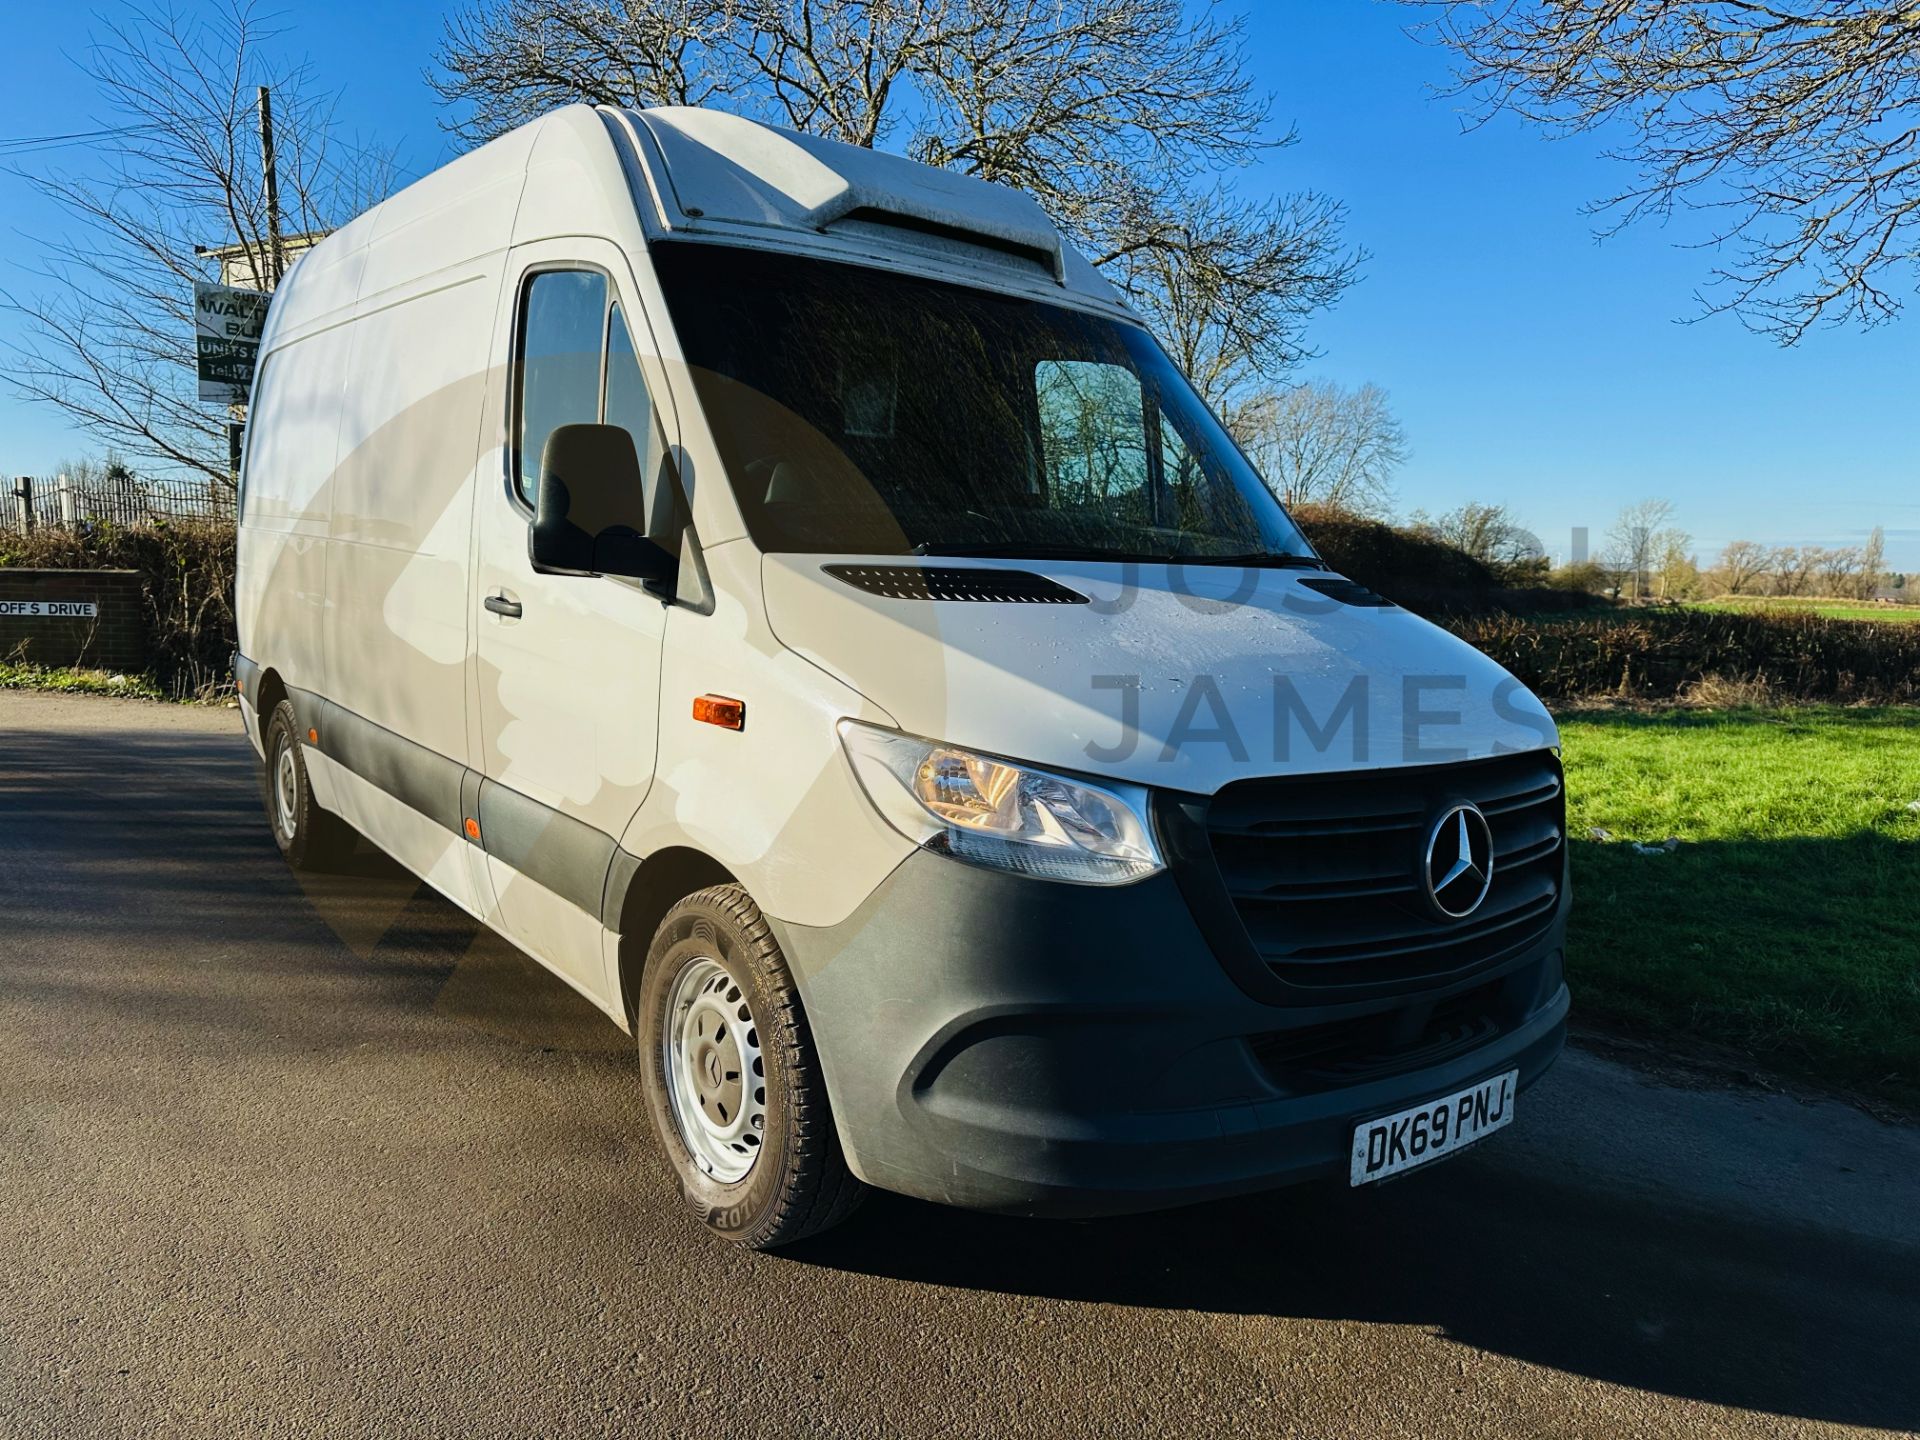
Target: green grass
x,y
1832,609
61,679
1787,922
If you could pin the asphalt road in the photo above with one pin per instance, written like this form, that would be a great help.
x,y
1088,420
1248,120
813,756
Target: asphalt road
x,y
285,1158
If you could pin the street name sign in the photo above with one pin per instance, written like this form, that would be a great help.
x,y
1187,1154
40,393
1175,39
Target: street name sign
x,y
52,609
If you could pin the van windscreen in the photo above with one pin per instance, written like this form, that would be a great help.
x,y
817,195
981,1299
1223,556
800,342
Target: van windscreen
x,y
860,411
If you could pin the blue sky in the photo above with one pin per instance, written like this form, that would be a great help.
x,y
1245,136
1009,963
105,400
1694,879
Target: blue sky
x,y
1531,365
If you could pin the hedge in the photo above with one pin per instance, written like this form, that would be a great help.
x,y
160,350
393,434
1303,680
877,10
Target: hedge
x,y
187,571
1673,654
1607,650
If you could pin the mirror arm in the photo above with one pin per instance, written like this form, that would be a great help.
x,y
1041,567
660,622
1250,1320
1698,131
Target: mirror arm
x,y
539,568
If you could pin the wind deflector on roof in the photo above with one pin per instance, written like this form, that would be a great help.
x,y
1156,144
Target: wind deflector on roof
x,y
1037,244
721,169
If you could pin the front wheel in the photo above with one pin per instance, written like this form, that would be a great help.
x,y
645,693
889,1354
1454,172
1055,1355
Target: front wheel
x,y
732,1079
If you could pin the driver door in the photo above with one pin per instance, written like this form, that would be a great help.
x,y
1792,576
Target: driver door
x,y
567,667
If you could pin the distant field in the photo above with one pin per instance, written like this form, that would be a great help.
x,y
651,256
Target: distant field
x,y
1785,922
1832,609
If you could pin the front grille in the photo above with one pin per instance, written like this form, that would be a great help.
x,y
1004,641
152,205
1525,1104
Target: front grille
x,y
1325,873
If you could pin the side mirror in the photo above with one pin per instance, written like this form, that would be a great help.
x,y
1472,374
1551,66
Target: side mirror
x,y
590,491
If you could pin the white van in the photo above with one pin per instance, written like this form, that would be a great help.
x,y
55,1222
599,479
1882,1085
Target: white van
x,y
784,590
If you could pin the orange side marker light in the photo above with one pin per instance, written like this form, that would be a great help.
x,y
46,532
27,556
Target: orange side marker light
x,y
313,737
719,710
473,829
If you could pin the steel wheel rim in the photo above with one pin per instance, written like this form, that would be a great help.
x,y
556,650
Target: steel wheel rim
x,y
716,1074
286,791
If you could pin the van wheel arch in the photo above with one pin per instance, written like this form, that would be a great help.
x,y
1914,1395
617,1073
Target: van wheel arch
x,y
660,882
272,691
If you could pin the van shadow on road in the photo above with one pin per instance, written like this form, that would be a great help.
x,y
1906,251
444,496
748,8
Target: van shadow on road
x,y
1608,1286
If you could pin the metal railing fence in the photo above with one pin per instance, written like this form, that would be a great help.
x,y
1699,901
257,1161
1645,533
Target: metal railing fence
x,y
67,502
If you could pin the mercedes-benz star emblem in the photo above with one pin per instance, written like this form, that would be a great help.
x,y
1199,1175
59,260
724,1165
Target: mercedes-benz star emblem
x,y
1459,867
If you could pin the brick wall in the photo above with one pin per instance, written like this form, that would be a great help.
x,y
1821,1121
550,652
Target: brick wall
x,y
114,638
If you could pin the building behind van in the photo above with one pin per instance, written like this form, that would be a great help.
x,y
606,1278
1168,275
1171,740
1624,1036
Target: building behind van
x,y
785,590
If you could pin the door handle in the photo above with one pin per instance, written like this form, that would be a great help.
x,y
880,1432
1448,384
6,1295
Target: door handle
x,y
501,605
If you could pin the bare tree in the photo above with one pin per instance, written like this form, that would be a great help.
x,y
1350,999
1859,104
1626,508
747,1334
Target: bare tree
x,y
1118,116
109,335
1492,536
1791,568
1839,569
1742,564
508,62
1317,444
1796,123
1229,285
1674,568
1873,564
1635,542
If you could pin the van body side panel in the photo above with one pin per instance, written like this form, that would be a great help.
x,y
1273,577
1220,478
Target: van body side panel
x,y
399,626
402,516
282,583
293,424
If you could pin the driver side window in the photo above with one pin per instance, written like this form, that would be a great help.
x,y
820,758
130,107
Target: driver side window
x,y
563,316
575,363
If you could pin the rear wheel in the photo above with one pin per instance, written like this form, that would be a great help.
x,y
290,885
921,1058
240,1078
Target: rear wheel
x,y
732,1080
309,837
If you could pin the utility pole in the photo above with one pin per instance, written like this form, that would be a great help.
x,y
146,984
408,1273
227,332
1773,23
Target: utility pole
x,y
276,267
276,263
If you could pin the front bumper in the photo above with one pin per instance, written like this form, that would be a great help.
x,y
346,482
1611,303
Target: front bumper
x,y
1007,1044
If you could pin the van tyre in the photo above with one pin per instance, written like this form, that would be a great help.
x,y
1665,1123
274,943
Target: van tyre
x,y
732,1078
310,838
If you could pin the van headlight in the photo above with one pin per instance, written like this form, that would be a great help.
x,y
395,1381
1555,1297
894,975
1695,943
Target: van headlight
x,y
1002,815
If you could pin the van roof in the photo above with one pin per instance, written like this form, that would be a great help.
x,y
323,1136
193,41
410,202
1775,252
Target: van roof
x,y
698,173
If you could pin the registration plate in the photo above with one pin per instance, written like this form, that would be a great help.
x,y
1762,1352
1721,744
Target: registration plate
x,y
1400,1142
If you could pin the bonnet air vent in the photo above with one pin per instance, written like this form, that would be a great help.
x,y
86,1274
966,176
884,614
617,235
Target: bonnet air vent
x,y
1348,592
934,582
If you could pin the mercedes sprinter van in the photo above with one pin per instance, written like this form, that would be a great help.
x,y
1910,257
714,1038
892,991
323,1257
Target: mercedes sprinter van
x,y
786,592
